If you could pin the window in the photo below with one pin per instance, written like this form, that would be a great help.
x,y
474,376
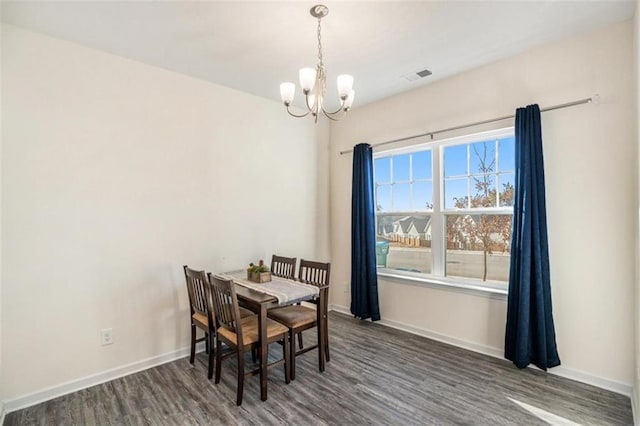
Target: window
x,y
445,209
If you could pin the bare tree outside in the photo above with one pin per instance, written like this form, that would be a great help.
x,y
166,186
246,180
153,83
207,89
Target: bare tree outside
x,y
489,233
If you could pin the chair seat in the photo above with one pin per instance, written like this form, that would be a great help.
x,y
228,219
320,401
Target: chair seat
x,y
294,316
250,333
246,313
202,319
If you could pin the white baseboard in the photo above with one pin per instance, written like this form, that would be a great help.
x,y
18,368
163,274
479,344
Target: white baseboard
x,y
622,388
461,343
28,400
580,376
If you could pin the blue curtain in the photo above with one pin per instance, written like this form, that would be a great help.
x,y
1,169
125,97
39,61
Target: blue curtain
x,y
530,335
364,279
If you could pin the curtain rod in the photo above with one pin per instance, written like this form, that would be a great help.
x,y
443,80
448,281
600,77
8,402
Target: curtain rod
x,y
477,123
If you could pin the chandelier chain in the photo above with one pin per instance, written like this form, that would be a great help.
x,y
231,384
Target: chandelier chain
x,y
320,63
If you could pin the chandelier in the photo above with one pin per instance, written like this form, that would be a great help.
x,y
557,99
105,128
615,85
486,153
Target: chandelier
x,y
314,83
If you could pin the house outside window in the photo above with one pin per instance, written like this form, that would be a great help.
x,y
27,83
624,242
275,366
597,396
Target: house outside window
x,y
444,209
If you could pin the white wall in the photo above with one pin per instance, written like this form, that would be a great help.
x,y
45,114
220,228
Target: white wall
x,y
590,161
114,175
636,68
1,370
323,224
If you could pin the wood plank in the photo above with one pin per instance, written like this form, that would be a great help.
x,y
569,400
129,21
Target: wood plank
x,y
377,375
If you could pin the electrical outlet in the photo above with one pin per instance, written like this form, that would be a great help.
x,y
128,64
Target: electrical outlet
x,y
106,336
347,288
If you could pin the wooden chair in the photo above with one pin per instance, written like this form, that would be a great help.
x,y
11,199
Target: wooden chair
x,y
318,274
299,318
241,334
202,315
201,312
284,267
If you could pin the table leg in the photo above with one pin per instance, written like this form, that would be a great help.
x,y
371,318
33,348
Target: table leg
x,y
262,328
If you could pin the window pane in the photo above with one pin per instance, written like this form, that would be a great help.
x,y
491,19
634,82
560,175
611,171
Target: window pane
x,y
401,197
422,165
455,160
483,191
476,176
401,168
383,198
422,196
478,246
507,189
455,193
382,170
507,154
482,157
404,242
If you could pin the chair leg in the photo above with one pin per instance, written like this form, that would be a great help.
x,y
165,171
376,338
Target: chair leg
x,y
254,354
300,341
326,341
207,349
287,357
326,351
211,355
292,358
321,356
240,376
193,344
218,360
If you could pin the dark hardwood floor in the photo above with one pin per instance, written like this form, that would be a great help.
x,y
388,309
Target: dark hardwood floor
x,y
377,375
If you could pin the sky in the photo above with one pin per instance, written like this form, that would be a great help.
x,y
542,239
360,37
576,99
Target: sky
x,y
461,163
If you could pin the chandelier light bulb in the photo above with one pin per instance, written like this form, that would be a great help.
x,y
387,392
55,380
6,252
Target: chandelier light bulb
x,y
307,79
349,101
287,91
345,85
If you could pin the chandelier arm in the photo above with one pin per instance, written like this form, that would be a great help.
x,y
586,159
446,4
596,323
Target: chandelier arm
x,y
331,115
336,111
297,115
306,102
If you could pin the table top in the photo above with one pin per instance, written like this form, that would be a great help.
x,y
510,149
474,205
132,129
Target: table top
x,y
285,291
254,296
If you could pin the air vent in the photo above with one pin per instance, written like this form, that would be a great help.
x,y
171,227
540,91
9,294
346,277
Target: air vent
x,y
417,75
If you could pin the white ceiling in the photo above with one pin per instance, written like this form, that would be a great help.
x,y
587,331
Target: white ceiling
x,y
254,46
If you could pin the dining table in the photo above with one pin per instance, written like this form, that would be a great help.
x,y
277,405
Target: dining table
x,y
260,297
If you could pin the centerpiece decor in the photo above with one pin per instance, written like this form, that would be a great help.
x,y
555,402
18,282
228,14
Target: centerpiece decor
x,y
258,273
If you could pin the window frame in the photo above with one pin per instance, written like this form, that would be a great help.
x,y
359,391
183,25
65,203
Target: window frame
x,y
439,213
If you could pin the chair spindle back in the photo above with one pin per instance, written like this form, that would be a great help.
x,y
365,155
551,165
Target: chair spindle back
x,y
284,267
225,305
198,289
315,273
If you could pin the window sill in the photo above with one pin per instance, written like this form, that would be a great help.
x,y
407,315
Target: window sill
x,y
460,286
